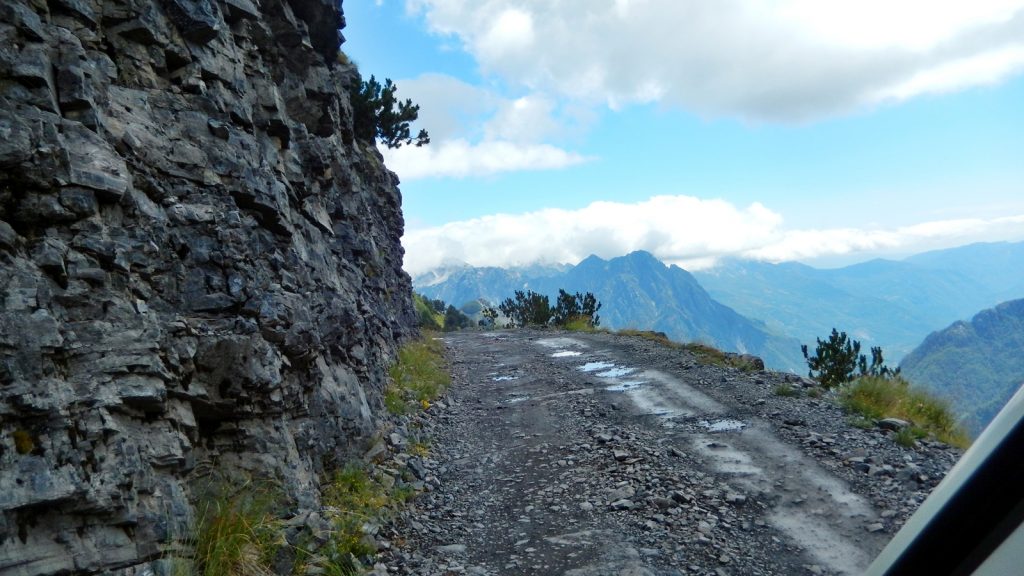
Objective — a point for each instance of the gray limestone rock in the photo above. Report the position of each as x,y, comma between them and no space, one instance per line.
200,270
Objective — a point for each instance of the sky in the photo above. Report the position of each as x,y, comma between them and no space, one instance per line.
823,131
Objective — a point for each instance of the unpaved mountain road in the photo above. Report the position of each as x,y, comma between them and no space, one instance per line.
593,454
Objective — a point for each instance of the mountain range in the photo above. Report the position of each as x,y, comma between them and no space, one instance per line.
636,291
769,309
979,364
888,303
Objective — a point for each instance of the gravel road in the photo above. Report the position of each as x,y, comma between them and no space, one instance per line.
592,454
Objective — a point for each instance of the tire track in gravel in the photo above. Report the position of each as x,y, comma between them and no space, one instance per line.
560,455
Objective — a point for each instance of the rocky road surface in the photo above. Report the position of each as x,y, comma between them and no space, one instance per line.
593,454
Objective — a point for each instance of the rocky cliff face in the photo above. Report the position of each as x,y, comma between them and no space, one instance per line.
200,267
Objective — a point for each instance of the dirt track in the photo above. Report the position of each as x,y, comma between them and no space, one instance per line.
596,454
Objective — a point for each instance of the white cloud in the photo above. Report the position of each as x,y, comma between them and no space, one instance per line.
689,231
475,131
765,60
527,119
459,158
449,107
511,32
977,70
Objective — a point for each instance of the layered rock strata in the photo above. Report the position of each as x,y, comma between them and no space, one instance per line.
200,268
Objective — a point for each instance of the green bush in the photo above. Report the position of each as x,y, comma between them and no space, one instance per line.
580,324
490,317
454,319
836,360
427,313
908,436
573,311
526,308
238,532
353,499
420,375
576,309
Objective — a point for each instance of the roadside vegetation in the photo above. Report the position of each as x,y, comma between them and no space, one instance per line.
838,360
353,501
879,397
419,376
436,315
430,317
872,391
241,529
572,311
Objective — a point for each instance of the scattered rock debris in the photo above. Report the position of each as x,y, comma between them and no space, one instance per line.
579,479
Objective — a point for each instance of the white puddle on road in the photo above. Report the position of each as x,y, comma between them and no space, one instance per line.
595,366
722,425
615,372
671,399
566,354
562,343
725,458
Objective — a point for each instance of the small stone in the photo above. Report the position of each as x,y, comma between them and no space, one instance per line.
662,502
622,504
218,129
8,237
452,549
736,499
894,424
876,527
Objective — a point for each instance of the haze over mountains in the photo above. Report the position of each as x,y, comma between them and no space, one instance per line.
769,309
893,304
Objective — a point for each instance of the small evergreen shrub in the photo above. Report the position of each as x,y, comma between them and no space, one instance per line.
836,361
377,114
454,319
526,308
576,310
